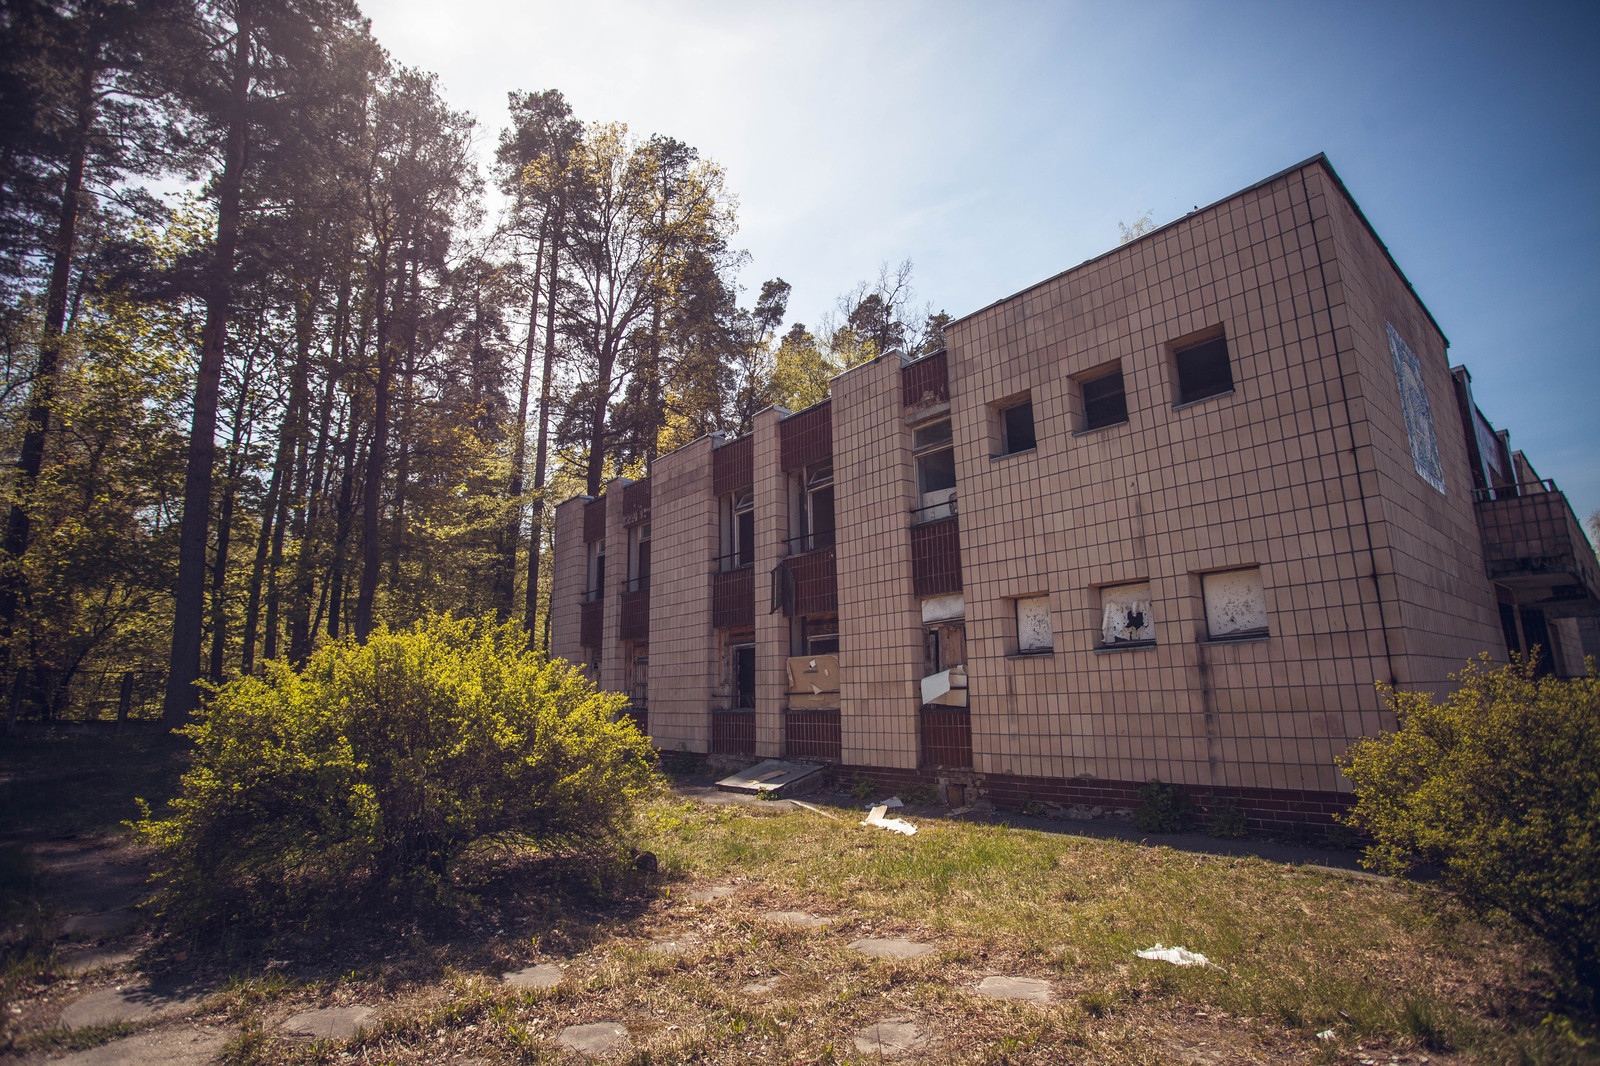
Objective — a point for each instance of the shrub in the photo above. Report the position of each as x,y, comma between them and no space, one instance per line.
1163,808
379,764
1224,819
1499,786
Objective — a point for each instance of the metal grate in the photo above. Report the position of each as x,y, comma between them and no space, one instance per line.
811,735
925,382
936,558
733,466
946,737
594,520
733,598
815,584
634,615
807,436
733,733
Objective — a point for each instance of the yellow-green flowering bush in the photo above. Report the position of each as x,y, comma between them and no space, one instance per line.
1499,786
375,767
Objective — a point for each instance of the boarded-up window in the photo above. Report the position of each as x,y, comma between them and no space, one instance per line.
1033,624
1125,616
1236,604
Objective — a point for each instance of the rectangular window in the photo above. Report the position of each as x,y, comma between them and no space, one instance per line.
1104,402
817,508
738,530
1125,616
936,470
639,557
597,572
1033,625
1016,428
744,675
1236,603
820,634
1203,370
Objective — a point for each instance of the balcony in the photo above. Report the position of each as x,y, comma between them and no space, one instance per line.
733,598
807,584
634,612
589,623
936,557
1534,547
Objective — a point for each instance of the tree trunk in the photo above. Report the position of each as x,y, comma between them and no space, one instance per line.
219,569
377,455
252,607
507,578
30,459
530,611
189,595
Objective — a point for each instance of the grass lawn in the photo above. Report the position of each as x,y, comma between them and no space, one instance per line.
1391,972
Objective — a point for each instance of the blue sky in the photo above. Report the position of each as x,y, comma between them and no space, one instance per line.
997,144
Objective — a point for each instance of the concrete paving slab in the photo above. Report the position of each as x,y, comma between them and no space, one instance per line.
139,1001
798,919
188,1046
708,895
892,1038
676,945
544,976
597,1041
774,777
85,960
1025,989
332,1023
893,949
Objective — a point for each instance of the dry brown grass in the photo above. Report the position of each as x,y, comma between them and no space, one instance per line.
1395,971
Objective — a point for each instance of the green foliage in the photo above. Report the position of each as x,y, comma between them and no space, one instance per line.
1163,809
380,764
1224,819
864,787
1499,786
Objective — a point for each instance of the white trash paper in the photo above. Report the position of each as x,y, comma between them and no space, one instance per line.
897,825
1178,956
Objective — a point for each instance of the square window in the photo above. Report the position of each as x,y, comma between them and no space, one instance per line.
1125,616
1104,402
1033,625
1016,428
1236,603
1203,370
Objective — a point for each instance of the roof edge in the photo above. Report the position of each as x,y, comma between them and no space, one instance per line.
1320,159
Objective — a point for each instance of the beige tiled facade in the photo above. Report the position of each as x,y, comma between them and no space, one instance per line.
1299,481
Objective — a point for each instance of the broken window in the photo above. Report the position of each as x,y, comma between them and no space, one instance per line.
1016,427
1236,603
1125,616
816,508
819,635
597,572
639,557
934,450
1104,401
1203,370
1033,625
738,530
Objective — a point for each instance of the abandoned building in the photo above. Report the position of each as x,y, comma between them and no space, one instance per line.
1170,514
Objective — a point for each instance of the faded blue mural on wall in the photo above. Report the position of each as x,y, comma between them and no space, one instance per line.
1419,416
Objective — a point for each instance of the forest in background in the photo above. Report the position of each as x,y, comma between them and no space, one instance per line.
279,364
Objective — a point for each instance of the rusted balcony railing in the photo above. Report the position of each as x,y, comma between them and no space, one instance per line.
634,618
936,557
733,598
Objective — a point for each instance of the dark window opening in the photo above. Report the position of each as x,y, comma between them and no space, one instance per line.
1104,401
744,676
1203,370
1017,428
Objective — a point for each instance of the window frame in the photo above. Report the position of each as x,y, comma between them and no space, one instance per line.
1262,632
1093,378
934,504
1016,615
1188,346
1003,414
